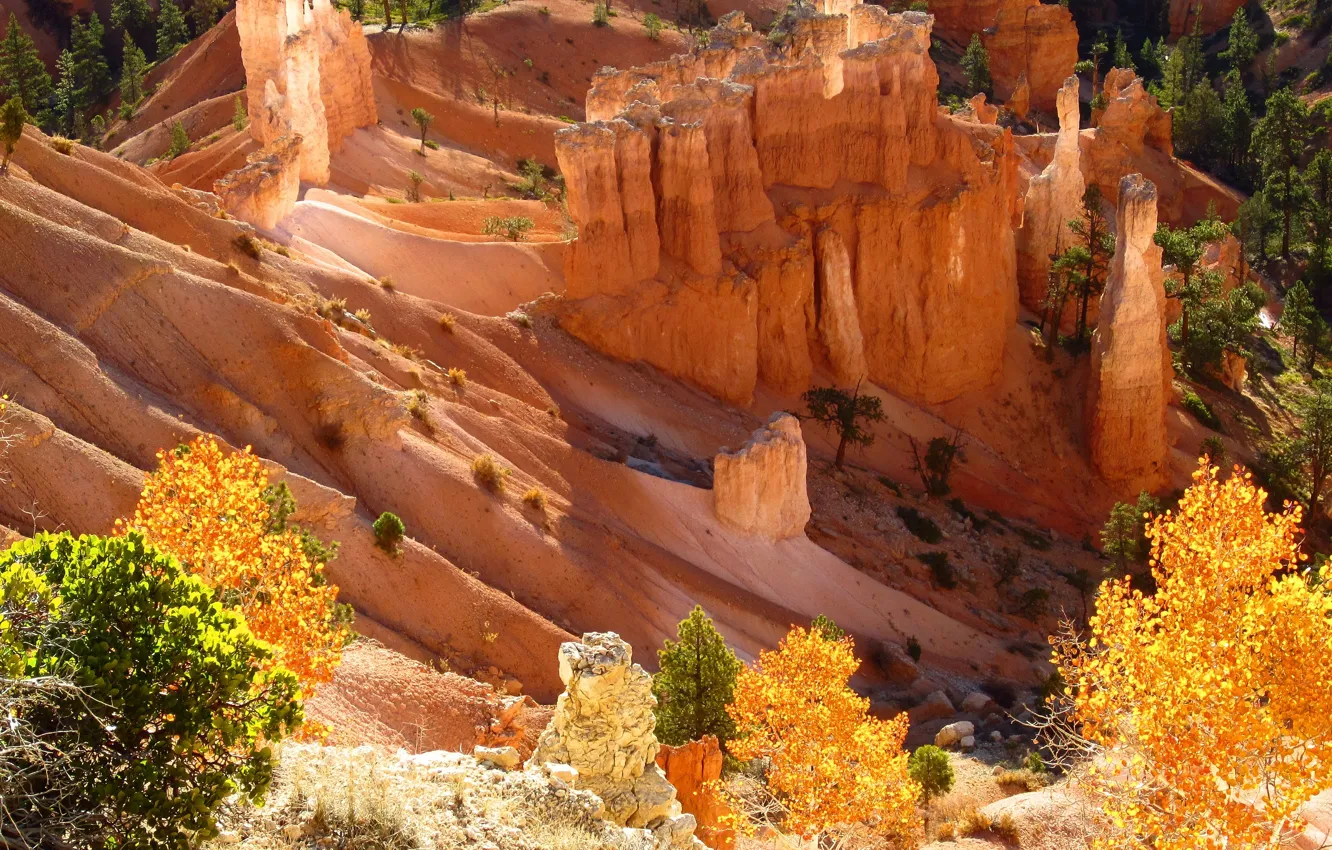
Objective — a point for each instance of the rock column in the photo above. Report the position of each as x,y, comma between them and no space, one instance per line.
761,488
1130,364
1053,198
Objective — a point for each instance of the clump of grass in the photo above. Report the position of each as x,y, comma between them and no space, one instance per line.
976,822
418,404
921,526
62,145
363,316
535,499
389,532
519,318
386,282
457,377
1022,778
248,245
489,472
447,321
404,350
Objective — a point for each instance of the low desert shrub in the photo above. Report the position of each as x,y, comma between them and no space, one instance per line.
62,145
489,472
180,141
512,227
1033,602
1022,778
447,321
519,318
652,23
389,531
457,377
600,15
418,404
913,648
1199,409
535,499
921,526
386,282
940,569
248,245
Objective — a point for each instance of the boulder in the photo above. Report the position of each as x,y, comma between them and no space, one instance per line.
978,702
935,706
895,663
1130,363
603,728
689,768
761,488
955,733
505,758
1234,370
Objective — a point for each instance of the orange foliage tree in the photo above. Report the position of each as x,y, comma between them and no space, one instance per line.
212,510
1207,707
831,765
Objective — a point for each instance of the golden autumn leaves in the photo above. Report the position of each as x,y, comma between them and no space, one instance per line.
206,507
830,763
1211,701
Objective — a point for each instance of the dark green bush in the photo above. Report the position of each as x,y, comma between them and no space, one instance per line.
389,531
153,707
939,568
930,767
1032,603
1191,402
921,526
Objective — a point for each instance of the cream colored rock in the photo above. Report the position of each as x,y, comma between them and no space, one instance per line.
761,489
954,734
1020,100
1130,364
267,187
603,728
505,758
1234,370
307,75
839,321
1054,197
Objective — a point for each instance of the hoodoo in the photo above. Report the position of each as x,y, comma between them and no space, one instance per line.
746,213
1130,363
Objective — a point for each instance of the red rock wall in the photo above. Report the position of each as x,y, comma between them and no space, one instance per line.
689,768
836,143
1215,16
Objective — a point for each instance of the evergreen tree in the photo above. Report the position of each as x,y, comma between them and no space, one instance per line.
1237,119
976,64
204,14
848,414
695,683
1122,58
65,99
131,17
1152,59
1279,144
1098,49
92,77
1318,188
171,29
1085,264
1182,72
180,140
1182,248
1315,442
1199,125
1242,44
1123,539
22,73
131,75
1296,314
1254,225
12,119
240,119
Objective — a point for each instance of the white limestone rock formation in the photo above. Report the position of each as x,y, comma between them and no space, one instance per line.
761,488
603,728
1053,198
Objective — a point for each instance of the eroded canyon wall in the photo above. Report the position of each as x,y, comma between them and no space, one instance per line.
749,215
307,75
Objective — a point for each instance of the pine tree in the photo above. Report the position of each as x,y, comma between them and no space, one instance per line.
203,14
1296,314
1279,143
1318,183
12,119
1086,263
1122,58
1237,118
171,29
1316,443
131,16
131,75
92,77
180,140
1182,72
1199,124
22,73
65,94
695,683
976,63
1242,44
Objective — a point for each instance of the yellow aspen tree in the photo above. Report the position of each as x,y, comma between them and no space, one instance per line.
831,765
207,507
1208,706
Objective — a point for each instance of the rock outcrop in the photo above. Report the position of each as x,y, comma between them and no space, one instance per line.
1130,363
746,213
761,488
1208,16
603,729
307,75
1024,39
1054,197
689,768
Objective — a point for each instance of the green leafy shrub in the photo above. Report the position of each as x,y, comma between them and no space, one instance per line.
389,531
600,15
514,227
930,767
1034,762
940,569
921,526
161,711
652,23
1194,404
